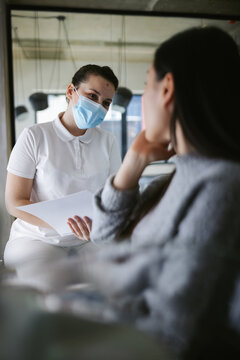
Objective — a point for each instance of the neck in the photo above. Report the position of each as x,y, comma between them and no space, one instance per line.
182,146
68,122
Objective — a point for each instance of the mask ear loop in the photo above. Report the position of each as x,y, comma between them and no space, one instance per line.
75,89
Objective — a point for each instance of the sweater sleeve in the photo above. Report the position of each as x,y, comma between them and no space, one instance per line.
115,210
111,209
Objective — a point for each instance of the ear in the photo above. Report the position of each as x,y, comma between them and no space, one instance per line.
167,90
70,91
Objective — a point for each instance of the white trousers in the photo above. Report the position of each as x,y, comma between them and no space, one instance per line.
30,258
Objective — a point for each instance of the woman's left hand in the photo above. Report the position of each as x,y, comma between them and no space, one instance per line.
80,227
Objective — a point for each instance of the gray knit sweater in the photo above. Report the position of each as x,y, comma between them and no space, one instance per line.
165,276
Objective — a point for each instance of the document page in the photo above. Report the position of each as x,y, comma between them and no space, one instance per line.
56,212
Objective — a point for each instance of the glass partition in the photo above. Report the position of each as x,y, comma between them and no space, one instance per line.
48,47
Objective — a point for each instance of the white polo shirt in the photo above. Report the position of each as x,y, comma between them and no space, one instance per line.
60,164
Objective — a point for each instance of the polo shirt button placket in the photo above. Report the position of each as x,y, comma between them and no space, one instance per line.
77,146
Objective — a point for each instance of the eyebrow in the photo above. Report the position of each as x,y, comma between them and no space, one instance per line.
97,92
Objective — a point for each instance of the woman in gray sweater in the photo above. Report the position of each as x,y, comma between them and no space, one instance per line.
173,258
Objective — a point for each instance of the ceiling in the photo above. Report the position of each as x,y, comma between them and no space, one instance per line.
101,36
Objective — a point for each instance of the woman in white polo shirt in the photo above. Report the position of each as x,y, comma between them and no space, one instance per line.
58,158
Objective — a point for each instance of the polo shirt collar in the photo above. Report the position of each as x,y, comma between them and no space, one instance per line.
65,135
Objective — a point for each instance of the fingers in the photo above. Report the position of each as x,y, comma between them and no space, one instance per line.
80,228
83,227
75,231
88,222
75,228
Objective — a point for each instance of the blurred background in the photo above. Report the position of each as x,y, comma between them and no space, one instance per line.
49,47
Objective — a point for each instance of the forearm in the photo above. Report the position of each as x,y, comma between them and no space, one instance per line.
31,219
18,193
130,171
115,204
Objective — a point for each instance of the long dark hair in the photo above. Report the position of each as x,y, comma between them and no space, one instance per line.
206,68
205,64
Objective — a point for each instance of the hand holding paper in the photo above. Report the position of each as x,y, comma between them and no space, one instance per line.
56,212
80,227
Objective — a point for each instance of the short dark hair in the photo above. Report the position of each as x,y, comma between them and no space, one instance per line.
85,71
205,64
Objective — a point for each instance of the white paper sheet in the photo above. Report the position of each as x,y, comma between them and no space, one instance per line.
56,212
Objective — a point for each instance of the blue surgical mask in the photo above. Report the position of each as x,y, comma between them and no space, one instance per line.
87,113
